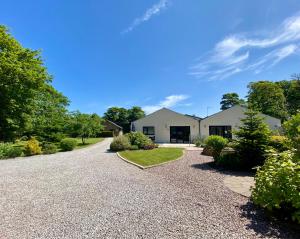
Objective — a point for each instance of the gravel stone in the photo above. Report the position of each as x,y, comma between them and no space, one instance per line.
91,193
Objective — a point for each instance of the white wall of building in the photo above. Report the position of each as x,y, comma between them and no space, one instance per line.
233,118
162,119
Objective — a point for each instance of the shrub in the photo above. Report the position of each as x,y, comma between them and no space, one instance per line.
105,134
198,141
120,143
230,161
55,137
279,143
49,148
139,139
216,144
277,185
3,150
9,151
32,147
68,144
134,147
14,151
292,130
24,138
253,139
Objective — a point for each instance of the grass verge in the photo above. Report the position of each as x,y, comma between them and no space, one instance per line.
152,157
88,142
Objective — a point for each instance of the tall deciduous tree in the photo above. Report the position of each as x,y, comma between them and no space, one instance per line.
291,90
84,125
22,74
268,98
49,114
229,100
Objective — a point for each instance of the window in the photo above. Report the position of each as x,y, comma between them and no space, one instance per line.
148,130
224,131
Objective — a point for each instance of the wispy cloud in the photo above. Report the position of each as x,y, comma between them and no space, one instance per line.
152,11
238,52
168,102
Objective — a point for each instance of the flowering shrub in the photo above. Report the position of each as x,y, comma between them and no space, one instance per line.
32,147
277,185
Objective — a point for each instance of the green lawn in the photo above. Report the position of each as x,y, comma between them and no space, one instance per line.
152,157
88,142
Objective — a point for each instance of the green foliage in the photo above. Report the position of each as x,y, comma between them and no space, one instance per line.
49,148
22,75
279,143
216,144
229,100
198,141
120,143
32,147
253,138
8,150
49,115
292,130
124,117
267,97
84,125
68,144
291,91
134,147
230,161
139,139
277,185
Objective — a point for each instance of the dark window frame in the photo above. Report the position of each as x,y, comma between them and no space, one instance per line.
146,128
221,130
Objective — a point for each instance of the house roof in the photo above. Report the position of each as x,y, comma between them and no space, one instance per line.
189,116
118,126
194,117
235,106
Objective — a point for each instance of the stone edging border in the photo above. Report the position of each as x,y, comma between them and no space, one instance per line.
151,166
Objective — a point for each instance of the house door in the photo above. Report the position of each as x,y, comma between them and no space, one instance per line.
180,134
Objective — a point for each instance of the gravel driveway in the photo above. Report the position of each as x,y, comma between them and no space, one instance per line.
90,193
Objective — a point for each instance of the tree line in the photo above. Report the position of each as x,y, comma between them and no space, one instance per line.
279,99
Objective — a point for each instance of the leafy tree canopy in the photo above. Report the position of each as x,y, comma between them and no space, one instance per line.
268,98
124,117
22,74
229,100
84,125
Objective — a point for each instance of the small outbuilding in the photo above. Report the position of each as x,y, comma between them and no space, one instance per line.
112,127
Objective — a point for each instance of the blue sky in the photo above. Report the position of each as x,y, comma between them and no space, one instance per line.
158,53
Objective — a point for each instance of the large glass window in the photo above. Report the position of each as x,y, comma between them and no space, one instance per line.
148,130
223,130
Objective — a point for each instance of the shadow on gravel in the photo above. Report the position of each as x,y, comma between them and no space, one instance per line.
210,166
265,226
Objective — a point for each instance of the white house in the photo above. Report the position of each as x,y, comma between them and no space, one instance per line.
167,126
